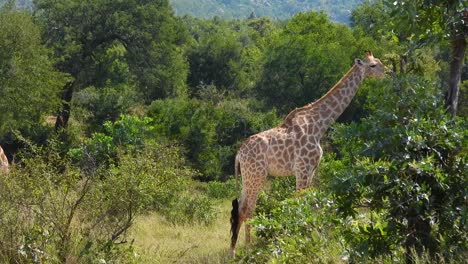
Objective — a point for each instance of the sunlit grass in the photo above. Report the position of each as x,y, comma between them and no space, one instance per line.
161,242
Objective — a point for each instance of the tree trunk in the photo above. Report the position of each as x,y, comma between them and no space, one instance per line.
403,62
64,114
419,239
456,64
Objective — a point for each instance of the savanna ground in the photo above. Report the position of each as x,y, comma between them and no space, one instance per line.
160,241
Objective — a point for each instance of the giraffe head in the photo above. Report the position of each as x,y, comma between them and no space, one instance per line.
373,67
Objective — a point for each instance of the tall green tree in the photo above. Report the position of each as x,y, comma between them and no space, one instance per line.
80,30
306,59
226,54
29,84
432,21
214,55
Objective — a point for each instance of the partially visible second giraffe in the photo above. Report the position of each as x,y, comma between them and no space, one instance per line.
293,148
4,166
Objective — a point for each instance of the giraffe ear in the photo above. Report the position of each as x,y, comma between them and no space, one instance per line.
358,62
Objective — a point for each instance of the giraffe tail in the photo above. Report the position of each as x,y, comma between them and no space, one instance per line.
236,172
234,223
235,209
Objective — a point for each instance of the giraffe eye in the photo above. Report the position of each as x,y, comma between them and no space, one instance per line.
373,65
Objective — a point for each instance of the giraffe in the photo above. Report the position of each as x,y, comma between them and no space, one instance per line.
293,147
4,167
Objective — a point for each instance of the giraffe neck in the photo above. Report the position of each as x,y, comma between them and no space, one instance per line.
330,106
334,102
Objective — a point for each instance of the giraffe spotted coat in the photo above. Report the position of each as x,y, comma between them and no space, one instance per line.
293,148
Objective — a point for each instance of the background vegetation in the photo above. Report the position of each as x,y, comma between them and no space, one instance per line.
339,11
121,120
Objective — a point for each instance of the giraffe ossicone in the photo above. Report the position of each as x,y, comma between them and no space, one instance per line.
293,147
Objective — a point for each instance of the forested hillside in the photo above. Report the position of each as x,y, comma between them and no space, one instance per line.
337,10
121,120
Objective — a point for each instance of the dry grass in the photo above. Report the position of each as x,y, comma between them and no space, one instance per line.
161,242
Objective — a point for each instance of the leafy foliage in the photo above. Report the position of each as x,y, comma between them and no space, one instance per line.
306,59
226,54
337,10
209,131
129,133
95,41
50,206
295,228
29,85
222,190
408,170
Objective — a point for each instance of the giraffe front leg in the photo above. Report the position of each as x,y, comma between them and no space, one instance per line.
302,181
305,166
304,176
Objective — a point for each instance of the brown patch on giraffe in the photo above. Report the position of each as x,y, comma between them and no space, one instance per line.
338,97
297,129
333,104
275,148
309,147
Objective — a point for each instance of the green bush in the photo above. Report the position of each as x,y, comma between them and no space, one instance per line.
406,166
129,133
300,229
188,209
96,105
210,131
222,190
55,213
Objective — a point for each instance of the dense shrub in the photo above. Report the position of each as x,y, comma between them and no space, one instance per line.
94,106
222,190
298,229
129,134
210,130
406,163
29,83
55,212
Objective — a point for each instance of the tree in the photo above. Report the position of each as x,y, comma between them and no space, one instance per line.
213,59
226,54
306,59
428,20
29,85
78,31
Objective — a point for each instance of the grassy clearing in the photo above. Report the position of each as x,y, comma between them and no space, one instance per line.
161,242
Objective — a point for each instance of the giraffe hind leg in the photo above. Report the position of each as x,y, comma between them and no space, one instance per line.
250,202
